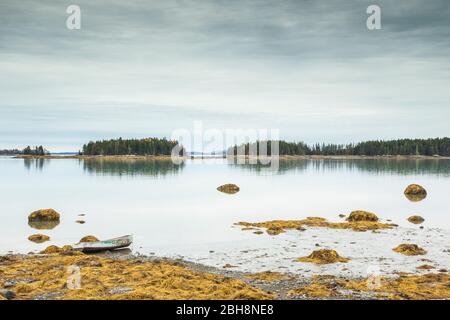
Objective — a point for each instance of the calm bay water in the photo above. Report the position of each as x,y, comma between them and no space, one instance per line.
174,209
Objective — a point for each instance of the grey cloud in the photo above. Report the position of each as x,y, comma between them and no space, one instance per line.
287,63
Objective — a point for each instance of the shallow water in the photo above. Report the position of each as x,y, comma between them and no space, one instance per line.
177,211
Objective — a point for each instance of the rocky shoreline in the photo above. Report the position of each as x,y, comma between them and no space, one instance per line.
124,275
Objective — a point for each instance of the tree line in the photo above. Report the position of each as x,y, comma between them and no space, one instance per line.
36,151
147,146
424,147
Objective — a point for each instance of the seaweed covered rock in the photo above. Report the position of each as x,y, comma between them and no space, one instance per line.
273,231
410,249
89,239
44,215
360,215
323,256
228,188
415,192
275,227
55,249
416,219
38,238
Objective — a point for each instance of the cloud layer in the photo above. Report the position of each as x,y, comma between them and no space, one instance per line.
146,68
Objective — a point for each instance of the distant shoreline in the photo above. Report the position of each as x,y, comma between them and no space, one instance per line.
282,157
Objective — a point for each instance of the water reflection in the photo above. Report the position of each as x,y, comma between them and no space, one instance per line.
131,167
36,164
440,167
43,225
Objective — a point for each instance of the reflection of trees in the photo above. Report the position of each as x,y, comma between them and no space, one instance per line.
43,225
131,167
37,164
375,166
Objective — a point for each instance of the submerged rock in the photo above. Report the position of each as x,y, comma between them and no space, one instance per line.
415,192
38,238
323,256
410,249
44,215
360,215
416,219
228,188
89,239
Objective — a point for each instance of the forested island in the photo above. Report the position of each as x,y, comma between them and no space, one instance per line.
36,151
142,147
400,147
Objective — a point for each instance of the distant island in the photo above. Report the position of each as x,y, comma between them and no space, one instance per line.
143,147
37,151
156,148
400,147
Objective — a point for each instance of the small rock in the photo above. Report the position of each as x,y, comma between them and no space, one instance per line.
38,238
89,239
7,294
410,249
416,219
120,290
228,188
360,215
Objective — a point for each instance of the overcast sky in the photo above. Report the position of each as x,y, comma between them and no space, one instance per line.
145,68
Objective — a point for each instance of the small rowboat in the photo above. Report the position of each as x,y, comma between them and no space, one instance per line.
111,244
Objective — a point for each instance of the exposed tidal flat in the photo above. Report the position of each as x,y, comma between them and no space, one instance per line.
186,230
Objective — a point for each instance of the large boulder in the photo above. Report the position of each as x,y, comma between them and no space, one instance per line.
415,192
44,215
360,215
228,188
